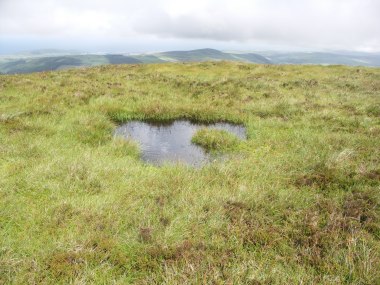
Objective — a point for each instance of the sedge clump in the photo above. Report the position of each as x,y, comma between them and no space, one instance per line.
215,140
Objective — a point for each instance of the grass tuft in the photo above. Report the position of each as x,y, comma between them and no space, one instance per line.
215,140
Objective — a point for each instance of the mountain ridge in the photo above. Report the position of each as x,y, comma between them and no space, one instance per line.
44,62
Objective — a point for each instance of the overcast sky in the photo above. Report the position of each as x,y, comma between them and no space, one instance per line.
148,25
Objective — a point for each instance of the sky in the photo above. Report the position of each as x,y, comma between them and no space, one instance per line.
156,25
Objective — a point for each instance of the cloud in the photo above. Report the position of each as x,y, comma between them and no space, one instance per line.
329,24
319,23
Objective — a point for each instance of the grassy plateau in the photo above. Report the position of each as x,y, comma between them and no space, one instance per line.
298,202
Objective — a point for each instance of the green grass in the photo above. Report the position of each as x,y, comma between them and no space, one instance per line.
297,204
215,140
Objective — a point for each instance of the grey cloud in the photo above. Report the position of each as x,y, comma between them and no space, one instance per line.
338,24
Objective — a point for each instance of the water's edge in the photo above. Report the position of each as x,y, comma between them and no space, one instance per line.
170,142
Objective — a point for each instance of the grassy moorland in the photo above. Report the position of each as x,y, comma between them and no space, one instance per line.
296,203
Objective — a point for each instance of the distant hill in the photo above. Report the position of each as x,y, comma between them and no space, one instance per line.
41,61
37,64
195,55
148,58
364,59
252,57
210,55
120,59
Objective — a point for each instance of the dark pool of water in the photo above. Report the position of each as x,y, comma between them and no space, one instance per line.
171,143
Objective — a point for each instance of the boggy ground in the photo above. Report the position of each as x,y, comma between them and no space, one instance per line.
297,203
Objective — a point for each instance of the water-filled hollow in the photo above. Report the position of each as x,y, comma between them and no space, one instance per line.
162,143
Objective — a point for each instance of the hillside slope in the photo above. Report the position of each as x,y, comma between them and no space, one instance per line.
38,64
296,203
